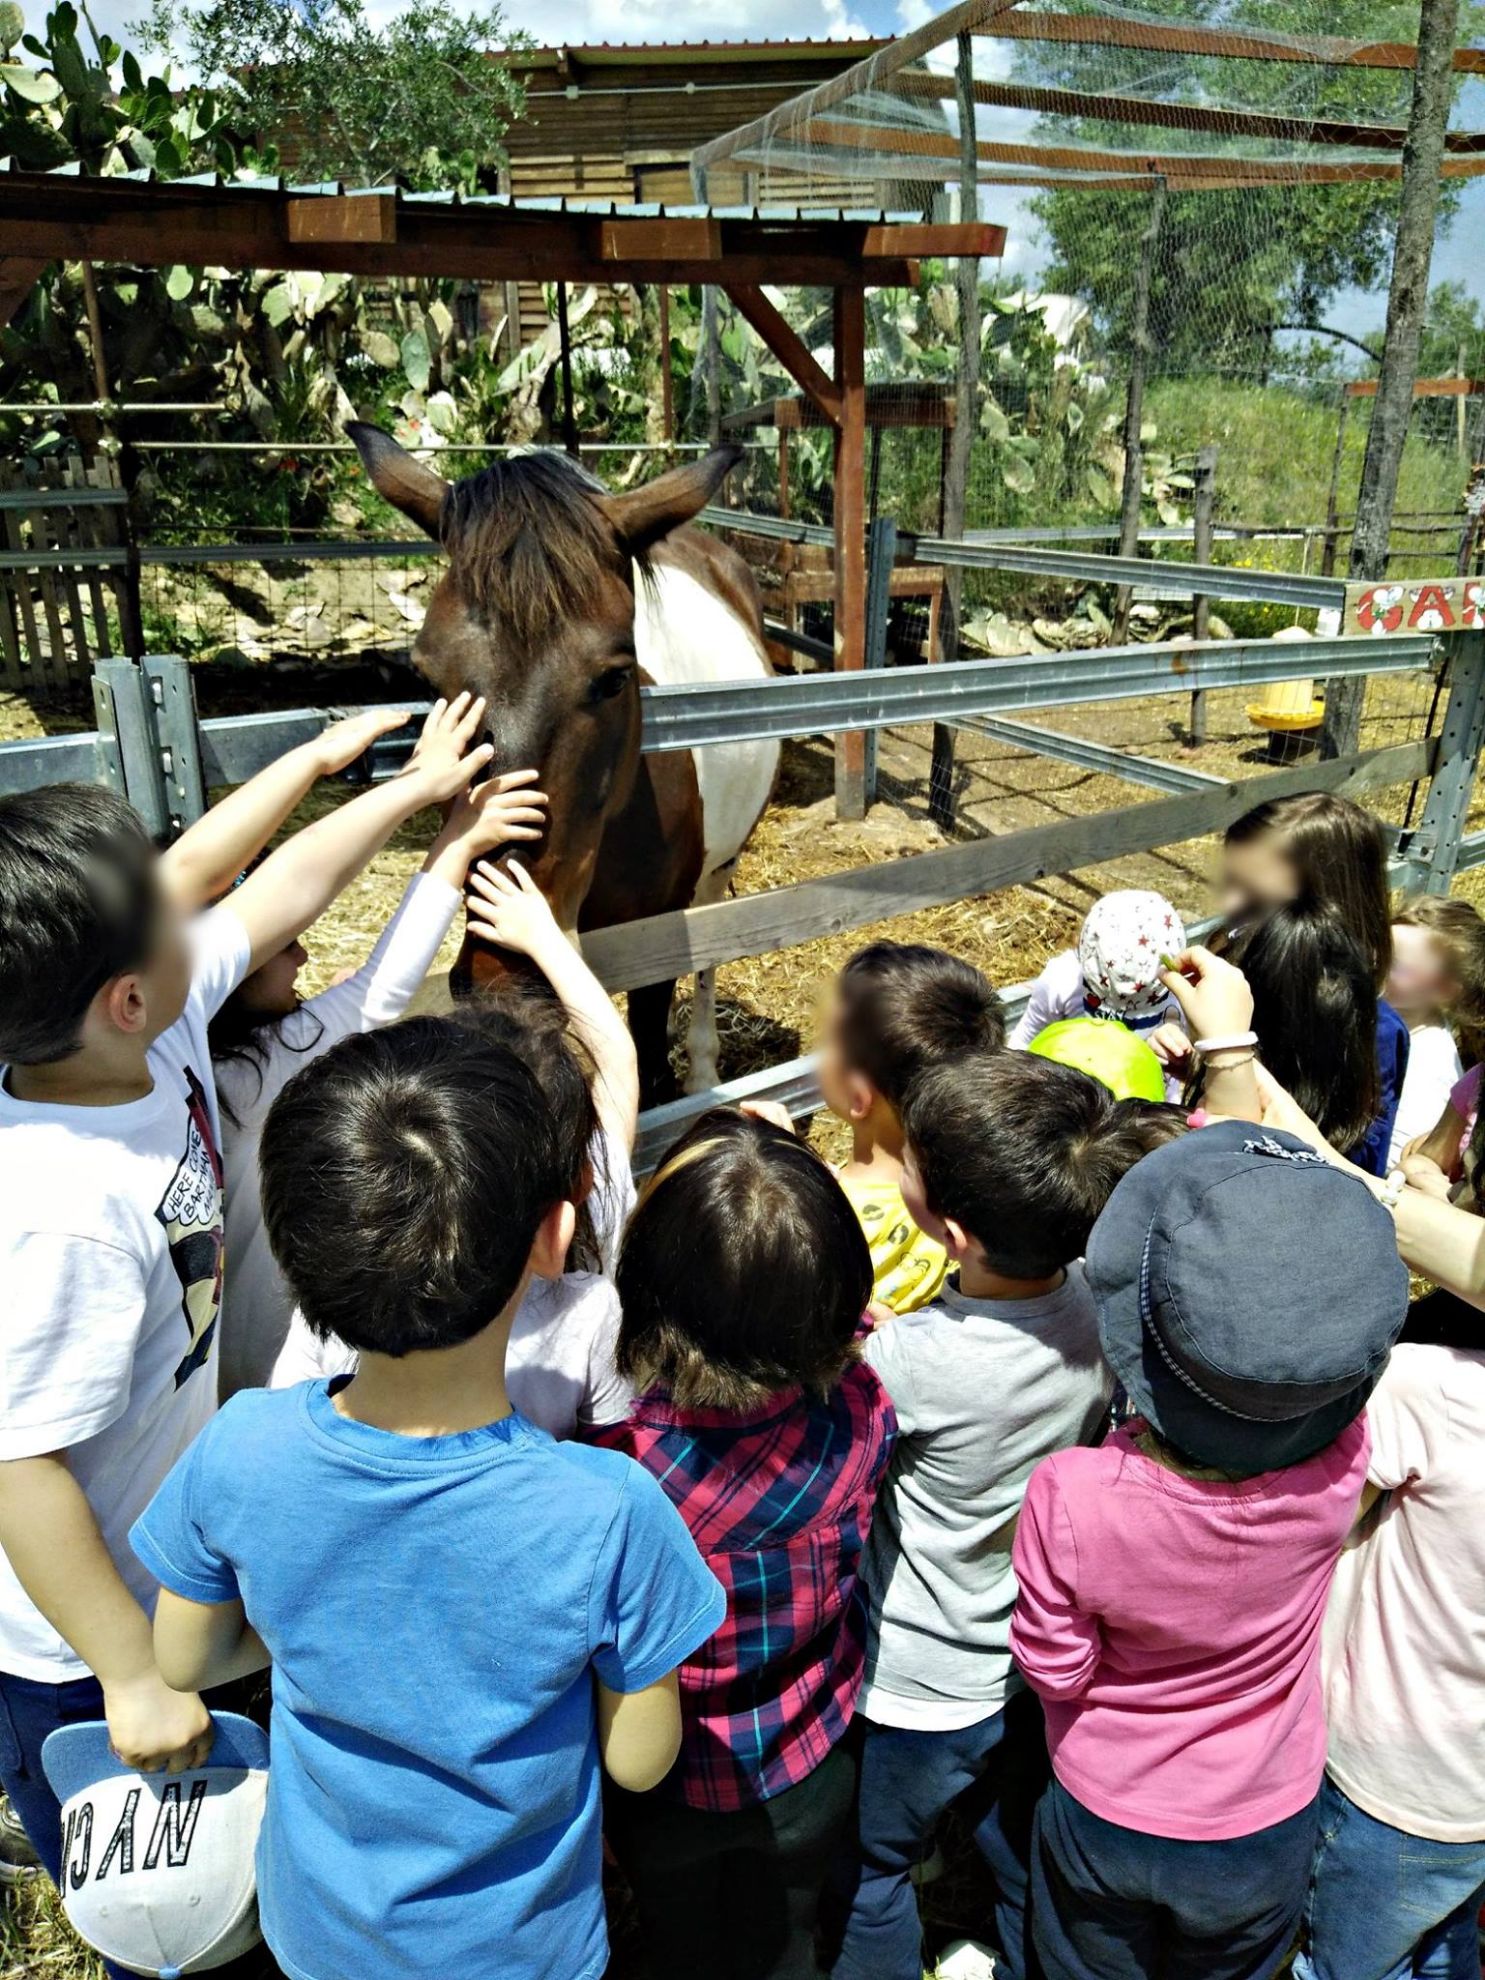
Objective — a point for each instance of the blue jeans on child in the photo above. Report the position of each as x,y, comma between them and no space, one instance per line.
996,1771
1109,1903
29,1710
1385,1905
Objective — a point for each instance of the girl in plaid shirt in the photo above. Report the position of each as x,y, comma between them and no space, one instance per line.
743,1279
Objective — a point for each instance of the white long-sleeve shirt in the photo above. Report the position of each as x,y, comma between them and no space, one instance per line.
559,1364
1057,994
257,1305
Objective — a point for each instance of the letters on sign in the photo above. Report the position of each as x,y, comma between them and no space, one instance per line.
1428,605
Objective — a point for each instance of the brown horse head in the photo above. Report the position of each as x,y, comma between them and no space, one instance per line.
536,613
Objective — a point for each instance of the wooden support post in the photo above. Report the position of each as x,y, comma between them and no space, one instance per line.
1201,550
1434,848
959,440
850,534
569,410
1134,406
1407,302
1333,500
667,388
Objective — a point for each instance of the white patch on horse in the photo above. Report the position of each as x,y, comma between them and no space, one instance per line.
685,635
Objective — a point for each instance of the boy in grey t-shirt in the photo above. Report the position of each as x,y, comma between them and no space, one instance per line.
1009,1161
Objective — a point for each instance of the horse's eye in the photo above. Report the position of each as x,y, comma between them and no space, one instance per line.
612,681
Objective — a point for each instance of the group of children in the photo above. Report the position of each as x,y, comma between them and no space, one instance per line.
1050,1460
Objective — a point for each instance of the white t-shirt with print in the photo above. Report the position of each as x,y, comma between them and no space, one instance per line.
260,1305
559,1364
111,1258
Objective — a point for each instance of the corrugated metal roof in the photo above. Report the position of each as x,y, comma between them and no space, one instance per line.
601,209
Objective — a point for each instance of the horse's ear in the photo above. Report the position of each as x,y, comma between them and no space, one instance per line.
398,478
644,515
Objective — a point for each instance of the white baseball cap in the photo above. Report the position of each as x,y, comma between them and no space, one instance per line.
157,1869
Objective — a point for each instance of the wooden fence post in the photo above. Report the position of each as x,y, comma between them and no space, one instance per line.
1201,551
1433,850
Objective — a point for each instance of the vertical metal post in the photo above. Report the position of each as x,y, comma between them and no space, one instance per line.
569,410
1433,850
667,388
147,715
178,737
139,750
881,556
1202,508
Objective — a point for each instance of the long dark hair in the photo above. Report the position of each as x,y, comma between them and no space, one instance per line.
1340,858
744,1270
1315,1012
238,1035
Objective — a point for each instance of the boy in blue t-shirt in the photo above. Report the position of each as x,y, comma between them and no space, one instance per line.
463,1615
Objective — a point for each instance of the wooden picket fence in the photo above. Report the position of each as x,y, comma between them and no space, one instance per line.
58,615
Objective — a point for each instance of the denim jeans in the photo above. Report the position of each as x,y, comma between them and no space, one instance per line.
996,1771
1385,1905
1109,1903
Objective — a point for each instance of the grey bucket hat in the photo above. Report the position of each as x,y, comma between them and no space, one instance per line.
1248,1295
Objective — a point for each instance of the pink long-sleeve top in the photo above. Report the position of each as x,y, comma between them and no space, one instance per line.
1172,1628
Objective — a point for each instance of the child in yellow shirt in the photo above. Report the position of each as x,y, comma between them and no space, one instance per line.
897,1009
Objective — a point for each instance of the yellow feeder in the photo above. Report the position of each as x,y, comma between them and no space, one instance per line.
1288,708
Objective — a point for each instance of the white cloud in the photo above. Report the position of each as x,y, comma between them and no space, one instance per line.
579,21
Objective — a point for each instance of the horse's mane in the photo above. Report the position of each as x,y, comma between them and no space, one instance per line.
528,543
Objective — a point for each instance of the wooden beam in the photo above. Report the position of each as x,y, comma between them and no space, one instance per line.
788,347
981,240
1423,388
1208,169
348,217
849,508
664,240
1196,117
116,220
1171,38
669,945
18,277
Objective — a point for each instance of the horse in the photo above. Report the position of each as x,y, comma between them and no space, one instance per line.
559,601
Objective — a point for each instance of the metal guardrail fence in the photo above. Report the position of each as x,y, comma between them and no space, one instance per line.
150,745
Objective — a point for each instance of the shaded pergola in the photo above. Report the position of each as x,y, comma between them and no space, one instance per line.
266,223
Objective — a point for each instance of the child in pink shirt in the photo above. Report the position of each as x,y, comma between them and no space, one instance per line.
1173,1582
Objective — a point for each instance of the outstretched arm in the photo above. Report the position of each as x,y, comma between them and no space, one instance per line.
507,907
209,855
296,885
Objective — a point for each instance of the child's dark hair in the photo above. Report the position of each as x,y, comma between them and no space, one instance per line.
1023,1154
1315,1012
525,1016
1459,931
404,1177
79,905
743,1272
904,1008
1339,857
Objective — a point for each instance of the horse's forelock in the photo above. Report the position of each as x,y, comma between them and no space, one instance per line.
528,543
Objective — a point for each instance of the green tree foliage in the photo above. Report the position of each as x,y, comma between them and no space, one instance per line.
415,99
1232,266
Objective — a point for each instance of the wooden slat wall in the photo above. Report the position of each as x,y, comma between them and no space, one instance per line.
55,623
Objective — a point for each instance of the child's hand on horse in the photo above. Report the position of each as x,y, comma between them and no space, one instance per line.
484,817
507,907
443,762
353,735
